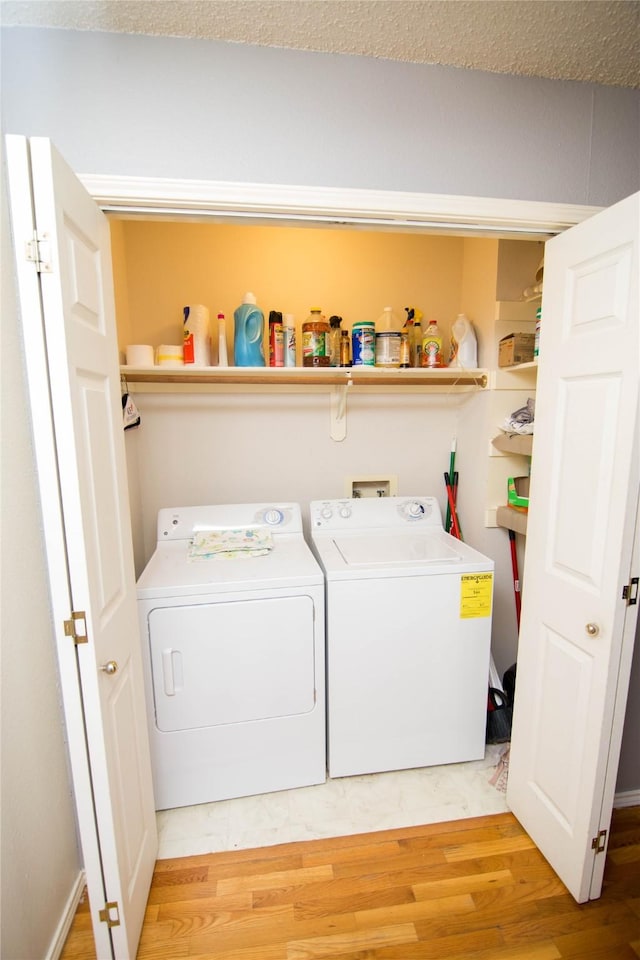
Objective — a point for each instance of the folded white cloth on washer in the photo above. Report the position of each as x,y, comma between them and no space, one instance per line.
231,543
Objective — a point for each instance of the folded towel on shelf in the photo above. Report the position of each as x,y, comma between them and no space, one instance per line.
231,544
521,421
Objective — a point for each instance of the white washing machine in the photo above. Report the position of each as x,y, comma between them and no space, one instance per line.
408,612
231,611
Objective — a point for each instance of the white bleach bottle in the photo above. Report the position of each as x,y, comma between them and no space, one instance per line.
464,346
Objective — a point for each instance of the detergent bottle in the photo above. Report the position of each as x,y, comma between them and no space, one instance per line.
248,349
464,346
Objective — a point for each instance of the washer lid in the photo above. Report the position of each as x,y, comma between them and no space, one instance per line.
387,553
389,549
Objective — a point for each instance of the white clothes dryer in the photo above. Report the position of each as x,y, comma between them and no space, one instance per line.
408,635
233,650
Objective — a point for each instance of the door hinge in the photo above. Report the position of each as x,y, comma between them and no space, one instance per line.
106,914
38,251
599,843
73,627
630,592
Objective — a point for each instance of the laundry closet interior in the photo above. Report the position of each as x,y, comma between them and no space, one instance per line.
205,442
238,442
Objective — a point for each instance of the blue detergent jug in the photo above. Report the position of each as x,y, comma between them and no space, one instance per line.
248,349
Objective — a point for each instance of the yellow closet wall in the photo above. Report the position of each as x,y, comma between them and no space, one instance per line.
159,267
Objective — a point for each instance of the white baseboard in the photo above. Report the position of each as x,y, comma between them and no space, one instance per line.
69,912
628,798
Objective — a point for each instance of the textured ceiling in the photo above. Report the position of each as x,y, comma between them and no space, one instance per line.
588,40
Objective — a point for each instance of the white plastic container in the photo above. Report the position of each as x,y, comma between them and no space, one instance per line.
197,339
464,346
170,355
139,355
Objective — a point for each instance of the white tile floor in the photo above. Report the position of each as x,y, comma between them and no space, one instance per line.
349,805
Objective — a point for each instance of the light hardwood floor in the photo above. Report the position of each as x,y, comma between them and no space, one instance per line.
474,889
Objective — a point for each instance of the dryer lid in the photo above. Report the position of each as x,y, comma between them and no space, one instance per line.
170,573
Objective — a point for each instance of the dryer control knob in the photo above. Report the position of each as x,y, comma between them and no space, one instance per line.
326,513
345,512
273,517
413,509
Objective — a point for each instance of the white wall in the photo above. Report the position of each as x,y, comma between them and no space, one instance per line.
251,447
195,109
39,853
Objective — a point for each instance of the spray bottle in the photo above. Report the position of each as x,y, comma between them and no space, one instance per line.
223,360
416,344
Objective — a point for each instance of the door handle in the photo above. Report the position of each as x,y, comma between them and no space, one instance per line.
592,629
172,671
109,667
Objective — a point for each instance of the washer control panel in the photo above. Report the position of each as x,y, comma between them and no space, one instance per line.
367,513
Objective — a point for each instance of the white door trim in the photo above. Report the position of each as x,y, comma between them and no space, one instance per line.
210,198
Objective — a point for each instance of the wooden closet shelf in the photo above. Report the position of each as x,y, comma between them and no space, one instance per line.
322,376
514,443
512,519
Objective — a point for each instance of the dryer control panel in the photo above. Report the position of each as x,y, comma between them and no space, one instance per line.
370,513
180,523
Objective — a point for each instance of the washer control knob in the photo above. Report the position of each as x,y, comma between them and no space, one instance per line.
273,517
326,513
345,512
414,509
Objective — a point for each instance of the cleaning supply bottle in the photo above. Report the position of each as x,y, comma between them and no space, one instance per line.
334,341
464,347
416,345
405,349
432,346
289,340
408,329
223,360
315,340
345,349
387,339
248,349
276,339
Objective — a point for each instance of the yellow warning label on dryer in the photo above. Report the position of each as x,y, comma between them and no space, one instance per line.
475,595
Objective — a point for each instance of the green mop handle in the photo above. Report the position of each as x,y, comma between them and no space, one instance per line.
452,462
